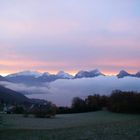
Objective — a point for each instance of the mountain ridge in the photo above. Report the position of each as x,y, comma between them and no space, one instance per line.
87,74
124,73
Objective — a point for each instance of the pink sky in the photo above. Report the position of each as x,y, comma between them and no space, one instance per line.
69,35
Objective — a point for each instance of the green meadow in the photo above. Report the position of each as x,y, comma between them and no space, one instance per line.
100,125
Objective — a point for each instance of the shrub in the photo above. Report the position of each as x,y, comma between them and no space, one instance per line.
44,111
18,110
64,110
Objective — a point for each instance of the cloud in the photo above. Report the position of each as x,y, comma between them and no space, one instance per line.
61,92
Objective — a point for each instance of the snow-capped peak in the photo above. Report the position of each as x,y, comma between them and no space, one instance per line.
63,74
46,74
123,73
26,73
96,71
91,73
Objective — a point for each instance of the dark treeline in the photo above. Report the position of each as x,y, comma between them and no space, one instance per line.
91,103
118,101
124,102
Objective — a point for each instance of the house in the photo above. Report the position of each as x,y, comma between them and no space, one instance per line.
8,109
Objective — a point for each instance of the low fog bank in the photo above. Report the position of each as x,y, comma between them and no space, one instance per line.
61,92
22,88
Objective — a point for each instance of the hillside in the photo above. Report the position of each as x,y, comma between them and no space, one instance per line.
10,96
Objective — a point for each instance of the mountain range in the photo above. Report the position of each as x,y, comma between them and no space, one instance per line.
37,78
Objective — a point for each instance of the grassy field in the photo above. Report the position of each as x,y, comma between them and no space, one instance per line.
101,125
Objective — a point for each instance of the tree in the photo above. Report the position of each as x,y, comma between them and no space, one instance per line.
78,105
93,102
124,102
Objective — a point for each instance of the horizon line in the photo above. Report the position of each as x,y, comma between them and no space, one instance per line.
106,73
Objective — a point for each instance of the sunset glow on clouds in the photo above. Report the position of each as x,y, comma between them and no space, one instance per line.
52,35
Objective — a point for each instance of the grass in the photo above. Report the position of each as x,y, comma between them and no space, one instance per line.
1,120
101,125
